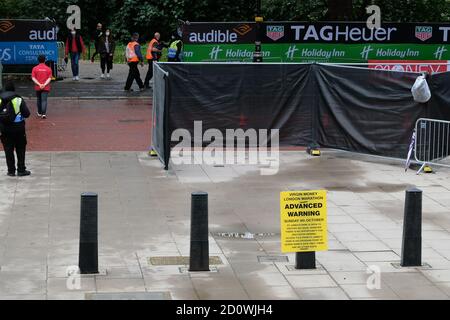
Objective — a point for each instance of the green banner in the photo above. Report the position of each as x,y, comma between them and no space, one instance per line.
334,53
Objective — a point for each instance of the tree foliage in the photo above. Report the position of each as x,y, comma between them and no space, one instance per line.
147,17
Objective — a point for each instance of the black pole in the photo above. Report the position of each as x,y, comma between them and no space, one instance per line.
199,255
257,55
88,255
412,229
305,260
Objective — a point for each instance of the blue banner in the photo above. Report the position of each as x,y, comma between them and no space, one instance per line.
27,52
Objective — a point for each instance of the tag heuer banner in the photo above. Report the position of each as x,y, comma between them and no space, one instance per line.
22,41
351,42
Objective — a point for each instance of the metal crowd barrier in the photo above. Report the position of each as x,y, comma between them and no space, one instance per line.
62,65
432,143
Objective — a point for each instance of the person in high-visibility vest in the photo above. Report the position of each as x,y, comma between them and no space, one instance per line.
154,52
12,132
134,58
175,49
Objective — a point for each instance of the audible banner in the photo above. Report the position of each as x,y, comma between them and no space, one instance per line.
22,41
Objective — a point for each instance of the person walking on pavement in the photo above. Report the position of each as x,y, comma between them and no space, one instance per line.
96,37
154,52
134,57
13,112
175,52
75,47
41,76
106,48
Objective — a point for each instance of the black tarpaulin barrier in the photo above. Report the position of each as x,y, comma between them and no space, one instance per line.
242,96
440,98
366,111
348,108
160,141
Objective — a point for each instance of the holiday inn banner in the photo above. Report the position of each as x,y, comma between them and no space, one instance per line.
317,42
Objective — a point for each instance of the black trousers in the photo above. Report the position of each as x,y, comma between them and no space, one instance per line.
149,75
133,74
106,62
15,141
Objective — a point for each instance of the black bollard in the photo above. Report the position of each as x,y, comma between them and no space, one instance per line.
199,253
412,229
88,255
305,260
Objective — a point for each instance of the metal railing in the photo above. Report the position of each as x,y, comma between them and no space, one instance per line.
432,143
62,65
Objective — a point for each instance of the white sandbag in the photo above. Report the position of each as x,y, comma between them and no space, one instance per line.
421,91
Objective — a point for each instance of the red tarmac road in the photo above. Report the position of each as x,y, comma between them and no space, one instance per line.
91,125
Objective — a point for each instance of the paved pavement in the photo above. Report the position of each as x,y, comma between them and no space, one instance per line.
144,214
90,85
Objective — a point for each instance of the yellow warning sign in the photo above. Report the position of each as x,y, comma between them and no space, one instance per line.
304,221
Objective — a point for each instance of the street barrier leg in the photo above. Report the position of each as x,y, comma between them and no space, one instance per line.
88,254
305,260
199,252
412,229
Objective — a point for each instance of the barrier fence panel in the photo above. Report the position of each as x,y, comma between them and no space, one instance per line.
62,65
432,142
348,108
160,114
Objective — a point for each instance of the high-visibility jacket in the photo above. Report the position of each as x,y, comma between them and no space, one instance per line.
151,45
16,102
173,49
131,53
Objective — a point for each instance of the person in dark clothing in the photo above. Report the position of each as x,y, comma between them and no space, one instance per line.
96,37
106,48
134,57
13,134
175,52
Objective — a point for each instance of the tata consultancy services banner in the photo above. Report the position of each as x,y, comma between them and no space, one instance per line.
22,41
317,42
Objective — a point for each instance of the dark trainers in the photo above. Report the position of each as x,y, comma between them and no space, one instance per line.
23,173
11,174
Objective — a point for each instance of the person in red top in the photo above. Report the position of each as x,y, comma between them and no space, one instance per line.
42,76
75,46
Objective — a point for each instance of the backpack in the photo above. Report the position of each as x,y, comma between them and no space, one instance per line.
7,113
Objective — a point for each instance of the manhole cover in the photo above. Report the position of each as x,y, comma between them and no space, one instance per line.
129,296
263,259
179,261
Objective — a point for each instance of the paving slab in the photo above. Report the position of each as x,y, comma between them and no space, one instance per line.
145,212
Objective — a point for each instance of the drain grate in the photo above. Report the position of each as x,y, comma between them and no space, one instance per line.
179,261
128,296
212,269
267,259
246,235
425,266
132,121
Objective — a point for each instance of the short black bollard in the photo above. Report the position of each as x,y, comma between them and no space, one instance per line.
412,229
305,260
88,255
199,253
